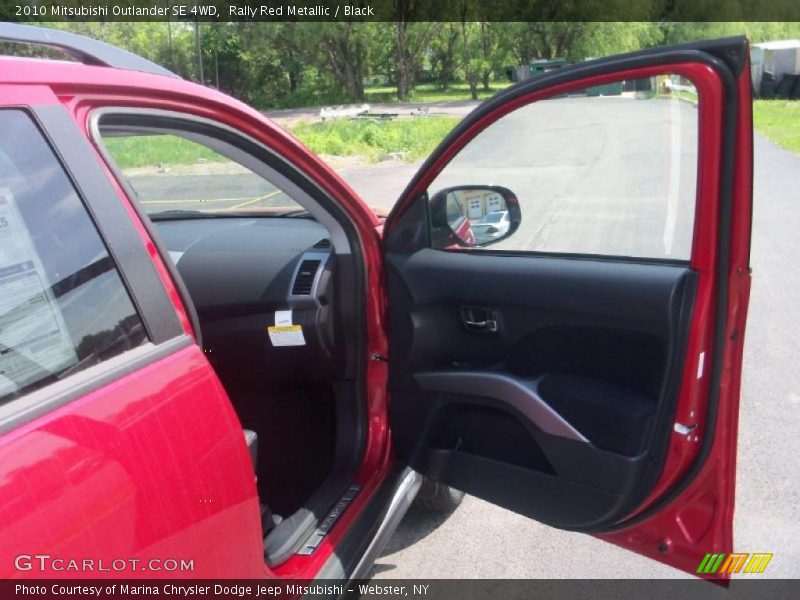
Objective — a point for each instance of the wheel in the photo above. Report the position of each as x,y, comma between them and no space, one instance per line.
438,497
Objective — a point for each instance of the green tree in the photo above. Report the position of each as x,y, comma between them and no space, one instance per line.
443,47
411,42
168,44
604,39
530,41
757,31
344,48
291,38
494,49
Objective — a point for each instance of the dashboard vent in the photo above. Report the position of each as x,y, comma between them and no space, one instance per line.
323,244
305,278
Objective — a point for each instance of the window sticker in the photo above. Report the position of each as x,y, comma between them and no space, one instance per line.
34,340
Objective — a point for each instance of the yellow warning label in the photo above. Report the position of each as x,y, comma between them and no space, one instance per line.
286,335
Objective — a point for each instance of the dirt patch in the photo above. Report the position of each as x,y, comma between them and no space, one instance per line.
199,168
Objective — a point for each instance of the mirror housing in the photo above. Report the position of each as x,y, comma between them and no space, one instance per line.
473,216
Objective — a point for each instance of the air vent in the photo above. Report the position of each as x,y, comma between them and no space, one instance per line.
323,244
305,278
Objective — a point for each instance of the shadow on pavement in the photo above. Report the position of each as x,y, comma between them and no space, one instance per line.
415,526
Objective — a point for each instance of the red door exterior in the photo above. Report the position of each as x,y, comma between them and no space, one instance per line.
143,472
689,511
186,489
151,467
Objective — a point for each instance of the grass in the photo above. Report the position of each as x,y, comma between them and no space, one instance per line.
415,138
779,120
152,150
431,92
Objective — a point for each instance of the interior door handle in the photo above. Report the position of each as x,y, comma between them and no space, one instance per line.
479,319
489,324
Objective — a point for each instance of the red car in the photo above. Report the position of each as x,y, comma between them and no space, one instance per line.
216,361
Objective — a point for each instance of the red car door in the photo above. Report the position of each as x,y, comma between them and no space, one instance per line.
185,487
120,454
583,368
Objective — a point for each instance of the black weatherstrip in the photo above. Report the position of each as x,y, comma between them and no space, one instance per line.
113,223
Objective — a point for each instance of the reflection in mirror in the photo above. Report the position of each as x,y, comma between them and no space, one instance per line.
607,170
473,215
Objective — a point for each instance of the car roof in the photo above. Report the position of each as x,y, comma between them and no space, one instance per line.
83,49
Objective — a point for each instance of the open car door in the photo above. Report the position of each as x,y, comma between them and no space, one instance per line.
568,284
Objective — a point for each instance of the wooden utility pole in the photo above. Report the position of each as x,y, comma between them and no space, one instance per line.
199,49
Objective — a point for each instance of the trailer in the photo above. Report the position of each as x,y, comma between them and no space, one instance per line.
779,58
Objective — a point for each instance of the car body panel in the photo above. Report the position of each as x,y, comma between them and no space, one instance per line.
150,466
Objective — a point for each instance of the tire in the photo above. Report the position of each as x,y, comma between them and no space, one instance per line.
437,497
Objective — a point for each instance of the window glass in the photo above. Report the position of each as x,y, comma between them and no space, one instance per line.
454,213
609,170
494,217
172,175
63,306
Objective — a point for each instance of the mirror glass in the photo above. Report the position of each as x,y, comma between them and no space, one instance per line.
473,215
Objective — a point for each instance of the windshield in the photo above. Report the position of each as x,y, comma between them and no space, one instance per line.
172,175
494,217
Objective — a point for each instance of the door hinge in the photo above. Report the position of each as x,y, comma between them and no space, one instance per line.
378,357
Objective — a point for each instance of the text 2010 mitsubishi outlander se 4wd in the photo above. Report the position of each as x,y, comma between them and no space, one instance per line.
212,349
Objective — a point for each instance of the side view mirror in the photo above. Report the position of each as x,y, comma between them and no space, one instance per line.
473,216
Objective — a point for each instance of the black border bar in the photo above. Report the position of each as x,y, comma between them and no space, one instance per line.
546,11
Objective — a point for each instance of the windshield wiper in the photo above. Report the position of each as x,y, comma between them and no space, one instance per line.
300,213
180,214
198,214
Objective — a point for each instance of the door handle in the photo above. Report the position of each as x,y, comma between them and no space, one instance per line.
479,319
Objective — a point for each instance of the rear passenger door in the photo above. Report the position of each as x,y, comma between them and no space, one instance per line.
119,451
576,356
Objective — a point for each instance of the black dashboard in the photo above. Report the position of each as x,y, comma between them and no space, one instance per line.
242,274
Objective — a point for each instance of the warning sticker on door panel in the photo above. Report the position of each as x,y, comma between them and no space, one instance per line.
284,333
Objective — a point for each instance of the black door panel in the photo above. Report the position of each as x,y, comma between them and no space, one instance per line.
564,394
